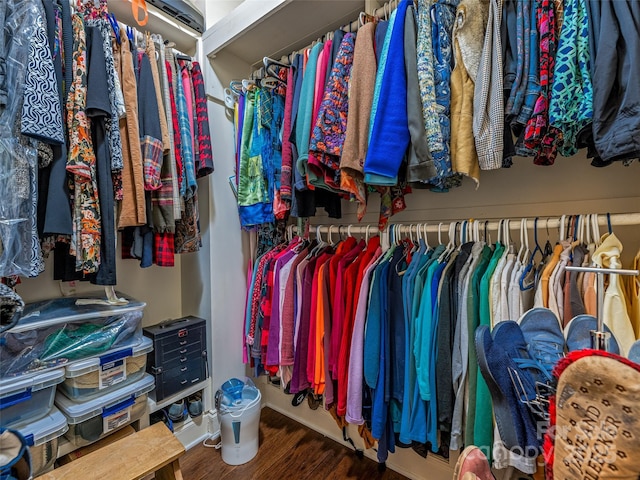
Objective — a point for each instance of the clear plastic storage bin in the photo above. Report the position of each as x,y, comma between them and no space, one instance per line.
28,398
92,420
99,375
52,333
42,437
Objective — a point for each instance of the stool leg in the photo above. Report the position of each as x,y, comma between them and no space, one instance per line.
170,472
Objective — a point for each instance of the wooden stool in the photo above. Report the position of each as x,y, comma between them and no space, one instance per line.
154,449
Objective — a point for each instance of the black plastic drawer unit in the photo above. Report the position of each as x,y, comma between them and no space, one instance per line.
179,357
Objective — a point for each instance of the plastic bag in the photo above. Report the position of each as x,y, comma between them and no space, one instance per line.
19,245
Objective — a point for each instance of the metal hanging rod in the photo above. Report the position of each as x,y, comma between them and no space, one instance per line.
599,337
433,226
600,270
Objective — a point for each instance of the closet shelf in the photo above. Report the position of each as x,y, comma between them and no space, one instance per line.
292,25
184,37
154,407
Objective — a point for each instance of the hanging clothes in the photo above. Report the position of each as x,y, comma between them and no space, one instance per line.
356,139
83,170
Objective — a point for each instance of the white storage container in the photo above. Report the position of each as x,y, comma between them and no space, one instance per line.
28,398
99,375
42,437
92,420
52,333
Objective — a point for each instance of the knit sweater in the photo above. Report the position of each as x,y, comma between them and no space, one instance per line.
361,86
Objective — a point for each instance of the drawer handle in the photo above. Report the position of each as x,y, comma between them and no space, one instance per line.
183,359
184,350
183,369
183,382
183,342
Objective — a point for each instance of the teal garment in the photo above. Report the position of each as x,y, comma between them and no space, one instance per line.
416,430
422,340
380,180
371,343
409,367
304,118
571,102
252,188
427,356
483,426
372,178
473,311
88,340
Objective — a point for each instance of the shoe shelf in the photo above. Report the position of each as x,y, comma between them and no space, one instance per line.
154,407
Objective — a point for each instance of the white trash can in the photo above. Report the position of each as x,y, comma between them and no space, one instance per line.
238,405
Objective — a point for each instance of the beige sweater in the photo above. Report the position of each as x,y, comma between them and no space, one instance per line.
361,88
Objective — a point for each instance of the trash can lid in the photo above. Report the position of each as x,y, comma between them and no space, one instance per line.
249,396
233,388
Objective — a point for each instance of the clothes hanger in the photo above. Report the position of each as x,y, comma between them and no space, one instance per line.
548,248
319,246
561,230
236,87
586,234
596,231
529,266
451,245
270,61
524,240
115,27
463,232
270,83
422,232
130,34
506,240
577,236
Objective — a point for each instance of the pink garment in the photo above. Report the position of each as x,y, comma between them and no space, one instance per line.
188,90
257,297
339,307
298,295
318,95
273,344
247,305
288,312
286,273
326,340
356,360
287,154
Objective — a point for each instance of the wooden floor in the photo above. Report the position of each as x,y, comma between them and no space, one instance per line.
288,449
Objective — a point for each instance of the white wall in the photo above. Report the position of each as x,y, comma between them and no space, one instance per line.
227,281
159,287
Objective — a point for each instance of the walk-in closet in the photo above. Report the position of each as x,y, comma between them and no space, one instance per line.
344,238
